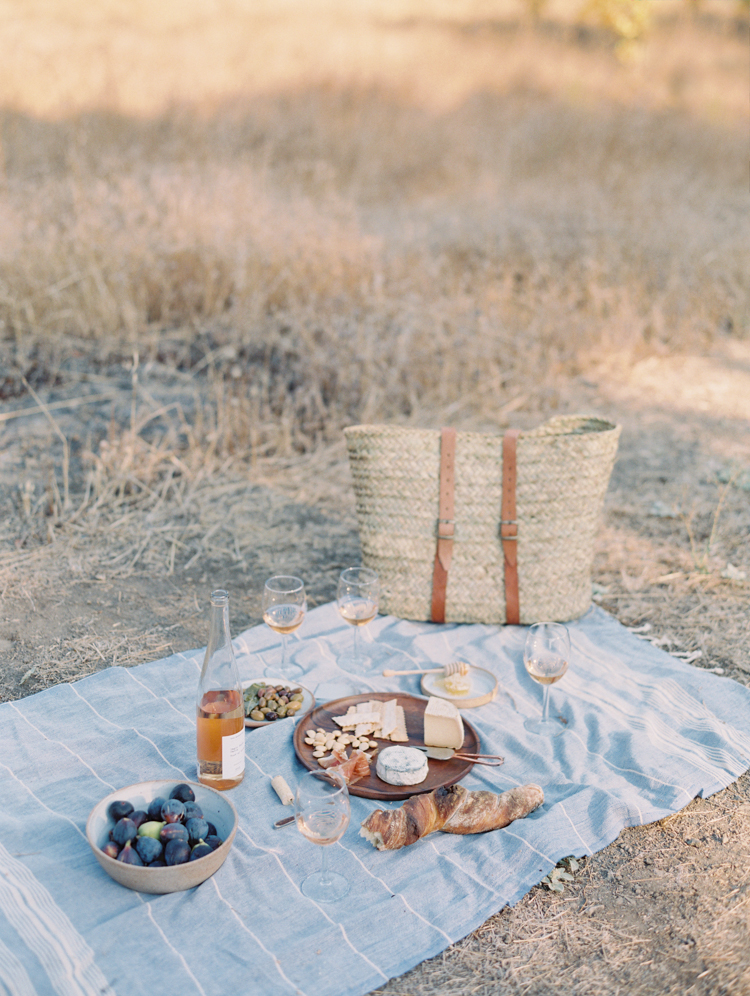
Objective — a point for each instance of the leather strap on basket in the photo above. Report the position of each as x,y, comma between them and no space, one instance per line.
509,527
446,525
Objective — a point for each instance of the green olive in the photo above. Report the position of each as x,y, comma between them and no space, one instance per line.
264,703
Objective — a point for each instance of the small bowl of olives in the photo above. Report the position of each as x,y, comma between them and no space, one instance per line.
267,700
162,836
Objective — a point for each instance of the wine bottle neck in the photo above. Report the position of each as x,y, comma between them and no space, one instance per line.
219,666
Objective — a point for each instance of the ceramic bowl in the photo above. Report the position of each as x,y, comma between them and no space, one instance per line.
216,808
483,688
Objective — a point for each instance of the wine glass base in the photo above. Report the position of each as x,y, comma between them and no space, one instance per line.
290,672
354,665
550,728
336,688
325,888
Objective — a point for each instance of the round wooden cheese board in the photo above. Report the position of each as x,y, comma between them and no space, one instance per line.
440,773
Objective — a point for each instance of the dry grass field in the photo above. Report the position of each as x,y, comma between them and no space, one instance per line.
375,211
228,228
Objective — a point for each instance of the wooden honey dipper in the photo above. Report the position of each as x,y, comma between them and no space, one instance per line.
455,667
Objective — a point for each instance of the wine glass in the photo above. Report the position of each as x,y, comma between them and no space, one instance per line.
284,607
357,599
321,807
546,657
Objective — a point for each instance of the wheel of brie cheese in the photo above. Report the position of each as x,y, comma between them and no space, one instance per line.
402,766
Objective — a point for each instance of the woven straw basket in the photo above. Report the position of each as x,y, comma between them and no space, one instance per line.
563,468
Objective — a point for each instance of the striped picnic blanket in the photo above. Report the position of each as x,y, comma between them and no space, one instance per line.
645,734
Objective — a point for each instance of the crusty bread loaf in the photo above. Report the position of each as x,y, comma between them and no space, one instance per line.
452,810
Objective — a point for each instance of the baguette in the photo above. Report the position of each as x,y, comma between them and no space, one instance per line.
452,810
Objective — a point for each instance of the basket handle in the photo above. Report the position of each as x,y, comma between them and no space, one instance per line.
445,525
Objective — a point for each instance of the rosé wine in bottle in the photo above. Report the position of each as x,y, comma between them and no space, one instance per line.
220,713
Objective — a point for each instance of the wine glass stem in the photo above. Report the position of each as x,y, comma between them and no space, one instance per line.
283,651
324,873
356,645
545,705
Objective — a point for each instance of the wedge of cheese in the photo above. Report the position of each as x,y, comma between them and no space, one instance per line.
443,726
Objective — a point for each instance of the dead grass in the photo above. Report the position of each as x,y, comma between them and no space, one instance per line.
347,216
75,657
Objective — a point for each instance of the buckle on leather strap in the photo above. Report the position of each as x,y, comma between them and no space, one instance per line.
512,529
443,532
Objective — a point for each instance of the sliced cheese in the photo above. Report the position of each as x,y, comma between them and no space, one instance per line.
443,726
402,766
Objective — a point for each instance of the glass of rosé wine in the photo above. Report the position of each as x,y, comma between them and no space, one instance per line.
284,607
321,808
357,597
546,657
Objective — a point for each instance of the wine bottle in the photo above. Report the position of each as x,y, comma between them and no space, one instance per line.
220,719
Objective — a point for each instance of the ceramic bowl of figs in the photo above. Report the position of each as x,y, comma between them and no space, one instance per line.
162,836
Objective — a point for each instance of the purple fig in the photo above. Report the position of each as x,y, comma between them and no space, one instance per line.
172,811
129,856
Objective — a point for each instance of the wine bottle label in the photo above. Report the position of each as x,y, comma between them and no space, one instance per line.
233,754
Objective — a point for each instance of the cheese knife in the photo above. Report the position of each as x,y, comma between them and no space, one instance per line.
446,753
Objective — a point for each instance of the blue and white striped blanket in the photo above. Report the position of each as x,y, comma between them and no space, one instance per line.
646,733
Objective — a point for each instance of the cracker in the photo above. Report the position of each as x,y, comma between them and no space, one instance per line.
399,733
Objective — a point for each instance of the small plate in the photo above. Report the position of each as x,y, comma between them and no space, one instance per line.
483,688
308,700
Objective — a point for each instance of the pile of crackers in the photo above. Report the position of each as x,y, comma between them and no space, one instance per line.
384,720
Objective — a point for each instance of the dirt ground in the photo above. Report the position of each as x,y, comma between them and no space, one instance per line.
666,907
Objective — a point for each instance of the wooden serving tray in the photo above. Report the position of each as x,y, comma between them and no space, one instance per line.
440,773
